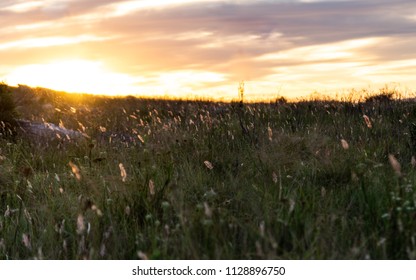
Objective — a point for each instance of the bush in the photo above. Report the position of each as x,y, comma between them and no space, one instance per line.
7,109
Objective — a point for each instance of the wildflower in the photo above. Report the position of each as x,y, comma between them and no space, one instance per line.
345,144
367,121
123,172
208,165
395,165
75,170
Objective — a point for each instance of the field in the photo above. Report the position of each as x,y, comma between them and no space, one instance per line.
157,179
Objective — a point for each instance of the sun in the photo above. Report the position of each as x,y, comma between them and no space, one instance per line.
80,76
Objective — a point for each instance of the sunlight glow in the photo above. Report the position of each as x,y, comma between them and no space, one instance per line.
81,76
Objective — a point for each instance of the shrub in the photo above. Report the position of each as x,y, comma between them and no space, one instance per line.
7,109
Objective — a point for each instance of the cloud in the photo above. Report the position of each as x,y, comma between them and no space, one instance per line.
266,42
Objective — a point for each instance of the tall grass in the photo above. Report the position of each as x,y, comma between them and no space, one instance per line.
199,180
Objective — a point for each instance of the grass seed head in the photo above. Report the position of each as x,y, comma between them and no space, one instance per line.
207,210
395,165
209,165
75,170
26,241
367,121
270,133
123,172
80,224
274,177
152,187
345,144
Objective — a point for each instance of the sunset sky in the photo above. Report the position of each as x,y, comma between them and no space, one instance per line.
205,48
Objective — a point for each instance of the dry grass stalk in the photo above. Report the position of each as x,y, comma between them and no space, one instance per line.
413,161
270,133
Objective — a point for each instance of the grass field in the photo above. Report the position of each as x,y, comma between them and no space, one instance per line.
199,180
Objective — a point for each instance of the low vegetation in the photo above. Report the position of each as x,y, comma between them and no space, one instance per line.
198,180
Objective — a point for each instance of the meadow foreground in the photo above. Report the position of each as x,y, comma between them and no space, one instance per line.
198,180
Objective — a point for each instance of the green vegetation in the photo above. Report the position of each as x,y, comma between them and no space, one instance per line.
199,180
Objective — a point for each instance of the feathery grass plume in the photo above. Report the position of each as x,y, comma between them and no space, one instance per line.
75,170
209,165
345,144
123,172
395,165
151,187
367,121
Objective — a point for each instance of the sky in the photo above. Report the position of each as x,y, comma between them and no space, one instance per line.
204,49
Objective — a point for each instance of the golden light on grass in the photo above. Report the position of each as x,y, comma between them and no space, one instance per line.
75,170
395,165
